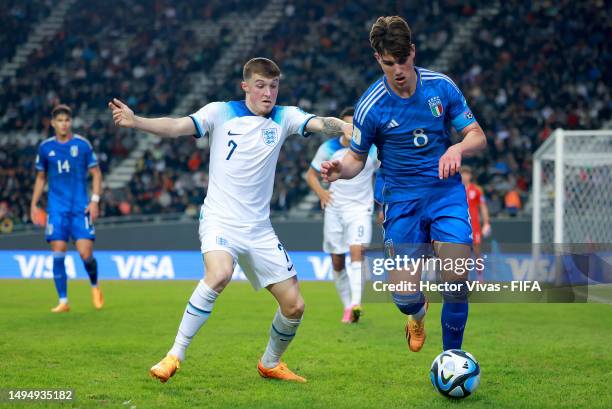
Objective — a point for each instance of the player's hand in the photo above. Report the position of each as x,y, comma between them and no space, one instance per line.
486,230
34,210
123,116
450,162
380,218
331,170
93,210
326,198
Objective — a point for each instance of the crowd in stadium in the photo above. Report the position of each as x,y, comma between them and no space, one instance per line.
521,84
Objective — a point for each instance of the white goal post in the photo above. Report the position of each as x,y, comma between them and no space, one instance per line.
572,188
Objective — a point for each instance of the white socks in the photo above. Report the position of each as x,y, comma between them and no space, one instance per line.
196,314
343,287
354,274
282,332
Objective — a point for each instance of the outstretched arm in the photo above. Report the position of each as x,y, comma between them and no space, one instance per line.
168,127
347,168
329,126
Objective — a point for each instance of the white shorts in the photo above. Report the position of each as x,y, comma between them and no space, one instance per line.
342,229
256,249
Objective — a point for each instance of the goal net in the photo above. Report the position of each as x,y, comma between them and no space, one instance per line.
572,188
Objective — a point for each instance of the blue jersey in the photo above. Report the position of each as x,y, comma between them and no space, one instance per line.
411,134
66,165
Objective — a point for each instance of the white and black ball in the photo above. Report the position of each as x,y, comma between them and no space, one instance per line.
455,373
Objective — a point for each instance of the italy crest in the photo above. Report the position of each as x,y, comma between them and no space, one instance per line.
435,105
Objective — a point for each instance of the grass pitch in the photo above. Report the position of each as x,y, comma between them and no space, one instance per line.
531,355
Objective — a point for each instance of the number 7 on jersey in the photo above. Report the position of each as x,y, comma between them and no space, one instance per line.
233,148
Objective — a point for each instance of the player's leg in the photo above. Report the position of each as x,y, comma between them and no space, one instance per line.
404,235
343,286
85,249
455,307
451,231
359,234
268,265
57,234
59,247
333,244
219,266
283,329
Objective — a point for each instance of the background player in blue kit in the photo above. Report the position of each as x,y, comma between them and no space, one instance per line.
65,161
407,114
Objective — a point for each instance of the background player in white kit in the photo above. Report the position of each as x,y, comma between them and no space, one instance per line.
347,224
245,141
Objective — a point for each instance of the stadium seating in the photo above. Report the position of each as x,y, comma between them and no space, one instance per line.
520,84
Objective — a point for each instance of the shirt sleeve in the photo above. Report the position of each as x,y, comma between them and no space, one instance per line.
321,156
458,110
204,119
295,121
41,160
363,135
92,159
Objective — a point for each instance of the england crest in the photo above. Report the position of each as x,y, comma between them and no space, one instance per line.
435,105
270,136
74,151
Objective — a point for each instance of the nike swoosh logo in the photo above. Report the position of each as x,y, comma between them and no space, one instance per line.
290,268
230,133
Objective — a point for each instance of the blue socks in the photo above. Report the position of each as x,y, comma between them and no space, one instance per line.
59,276
454,318
91,266
409,304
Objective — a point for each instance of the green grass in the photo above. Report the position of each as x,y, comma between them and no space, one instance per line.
531,355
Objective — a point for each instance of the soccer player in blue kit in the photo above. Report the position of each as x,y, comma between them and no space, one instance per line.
407,114
65,160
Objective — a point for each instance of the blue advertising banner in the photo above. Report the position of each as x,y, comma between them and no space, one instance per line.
188,265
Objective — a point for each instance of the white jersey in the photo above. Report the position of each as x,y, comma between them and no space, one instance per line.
244,149
347,194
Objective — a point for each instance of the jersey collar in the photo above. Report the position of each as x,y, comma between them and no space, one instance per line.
393,95
241,109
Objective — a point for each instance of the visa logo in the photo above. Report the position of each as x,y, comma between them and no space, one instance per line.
41,266
144,267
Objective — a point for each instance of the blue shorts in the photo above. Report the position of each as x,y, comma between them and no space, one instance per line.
436,214
66,225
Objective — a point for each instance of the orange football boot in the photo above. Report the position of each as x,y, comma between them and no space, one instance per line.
97,298
165,368
61,307
280,371
415,332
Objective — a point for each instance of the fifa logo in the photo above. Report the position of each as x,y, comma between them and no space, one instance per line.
270,136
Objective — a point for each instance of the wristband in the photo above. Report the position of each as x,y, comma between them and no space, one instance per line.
95,198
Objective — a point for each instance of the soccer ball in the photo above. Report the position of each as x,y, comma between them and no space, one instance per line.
455,373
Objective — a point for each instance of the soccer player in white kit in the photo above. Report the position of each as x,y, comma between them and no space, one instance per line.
347,223
245,141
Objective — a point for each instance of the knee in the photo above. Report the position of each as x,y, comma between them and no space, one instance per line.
218,280
338,262
295,309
